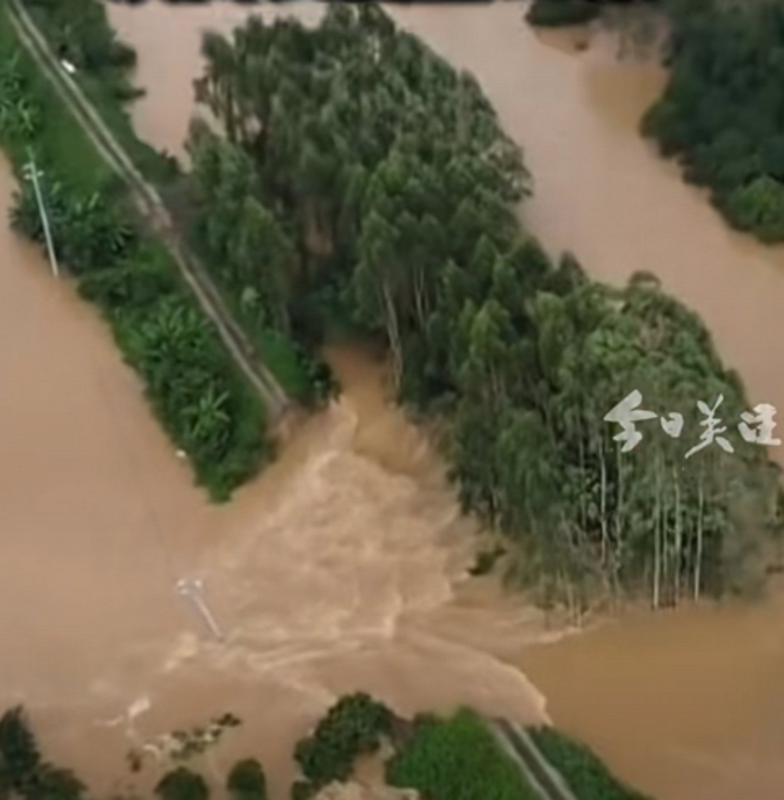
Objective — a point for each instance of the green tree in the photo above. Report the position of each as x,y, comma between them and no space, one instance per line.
18,749
182,784
247,781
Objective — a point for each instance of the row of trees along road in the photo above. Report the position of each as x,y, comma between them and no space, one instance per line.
383,190
194,388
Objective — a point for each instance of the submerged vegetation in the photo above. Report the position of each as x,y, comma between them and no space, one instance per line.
387,192
354,726
453,758
207,408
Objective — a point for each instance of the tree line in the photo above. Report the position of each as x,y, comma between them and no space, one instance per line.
442,758
387,191
722,111
555,13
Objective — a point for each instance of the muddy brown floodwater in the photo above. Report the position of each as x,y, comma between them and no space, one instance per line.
340,568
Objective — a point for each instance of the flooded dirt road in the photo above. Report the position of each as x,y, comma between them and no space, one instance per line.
690,706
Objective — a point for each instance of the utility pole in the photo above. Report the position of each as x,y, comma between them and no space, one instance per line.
190,588
32,173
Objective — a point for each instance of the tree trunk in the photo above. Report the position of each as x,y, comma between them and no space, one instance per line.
393,333
657,545
678,537
698,562
603,504
618,520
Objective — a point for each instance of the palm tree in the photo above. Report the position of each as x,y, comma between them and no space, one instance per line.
208,421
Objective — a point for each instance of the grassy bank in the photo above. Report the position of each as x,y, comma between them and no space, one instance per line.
58,139
79,32
191,382
585,773
457,759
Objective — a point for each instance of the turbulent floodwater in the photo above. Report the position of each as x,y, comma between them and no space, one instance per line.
340,568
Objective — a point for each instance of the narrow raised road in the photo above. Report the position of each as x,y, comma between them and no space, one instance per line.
548,783
153,210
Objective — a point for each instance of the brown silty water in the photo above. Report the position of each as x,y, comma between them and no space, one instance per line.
687,705
340,568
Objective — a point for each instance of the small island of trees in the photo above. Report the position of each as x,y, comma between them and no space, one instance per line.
384,191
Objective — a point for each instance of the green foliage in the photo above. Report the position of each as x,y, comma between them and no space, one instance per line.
207,408
23,772
247,781
19,754
182,784
354,726
88,232
759,206
32,115
457,759
376,180
554,13
79,31
55,783
253,261
302,790
722,109
586,774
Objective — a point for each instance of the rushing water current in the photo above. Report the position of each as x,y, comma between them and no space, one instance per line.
341,567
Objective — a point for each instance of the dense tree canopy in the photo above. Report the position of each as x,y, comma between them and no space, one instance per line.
396,188
723,109
568,12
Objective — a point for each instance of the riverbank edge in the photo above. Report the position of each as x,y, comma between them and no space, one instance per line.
254,446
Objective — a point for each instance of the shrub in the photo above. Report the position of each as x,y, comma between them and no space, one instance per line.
353,726
247,781
182,784
554,13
